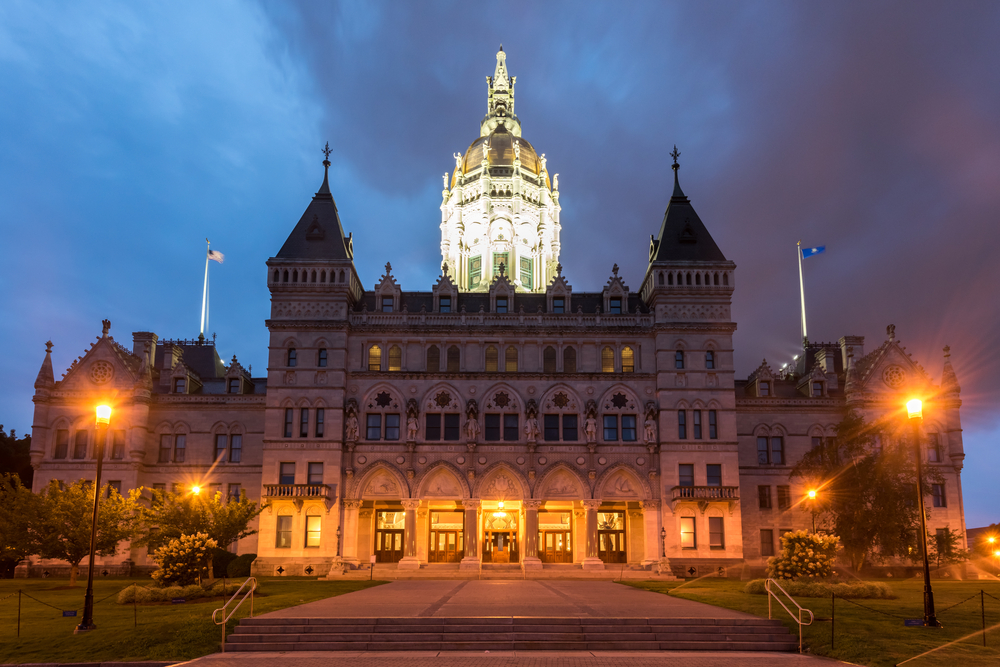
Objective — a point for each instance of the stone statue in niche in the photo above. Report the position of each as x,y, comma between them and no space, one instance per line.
412,427
590,429
472,429
531,429
351,428
650,428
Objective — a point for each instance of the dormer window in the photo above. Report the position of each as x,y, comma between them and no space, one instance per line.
292,357
615,305
180,384
817,389
444,305
321,358
501,304
765,389
558,304
710,360
234,385
387,304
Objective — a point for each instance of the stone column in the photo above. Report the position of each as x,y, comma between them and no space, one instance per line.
410,560
531,559
651,532
471,560
590,559
350,535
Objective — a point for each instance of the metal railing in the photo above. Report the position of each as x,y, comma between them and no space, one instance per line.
771,583
252,581
705,492
296,491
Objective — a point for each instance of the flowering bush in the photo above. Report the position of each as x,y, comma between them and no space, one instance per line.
804,554
183,560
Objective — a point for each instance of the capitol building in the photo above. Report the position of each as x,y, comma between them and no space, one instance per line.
498,417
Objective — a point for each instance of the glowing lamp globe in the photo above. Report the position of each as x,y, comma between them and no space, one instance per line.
812,494
103,414
195,490
914,408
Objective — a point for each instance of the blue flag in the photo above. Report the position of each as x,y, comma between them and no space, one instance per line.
809,252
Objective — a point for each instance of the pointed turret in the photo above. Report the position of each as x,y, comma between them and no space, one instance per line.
500,100
319,234
46,378
949,381
683,236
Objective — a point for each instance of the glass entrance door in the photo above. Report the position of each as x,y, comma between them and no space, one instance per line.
445,547
555,546
611,537
500,547
389,536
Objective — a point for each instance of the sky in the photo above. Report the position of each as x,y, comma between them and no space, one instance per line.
131,131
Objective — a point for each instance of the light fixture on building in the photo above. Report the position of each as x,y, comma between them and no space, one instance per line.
196,489
500,514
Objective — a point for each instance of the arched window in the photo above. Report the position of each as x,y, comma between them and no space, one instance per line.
395,358
549,360
569,360
725,278
374,358
312,277
510,359
343,276
322,276
454,359
607,360
491,359
688,278
661,277
433,359
710,360
679,359
716,278
697,279
628,360
292,357
276,275
285,280
670,278
295,276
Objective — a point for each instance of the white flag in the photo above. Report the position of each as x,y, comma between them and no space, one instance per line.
216,255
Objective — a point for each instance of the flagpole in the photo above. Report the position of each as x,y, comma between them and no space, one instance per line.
204,291
802,294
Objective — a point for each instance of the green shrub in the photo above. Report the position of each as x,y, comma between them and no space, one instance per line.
804,554
240,566
861,590
220,562
182,561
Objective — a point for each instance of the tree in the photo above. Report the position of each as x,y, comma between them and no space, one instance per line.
867,480
944,549
15,457
18,515
172,515
65,518
183,560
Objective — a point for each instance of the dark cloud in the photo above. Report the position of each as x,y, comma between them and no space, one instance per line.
870,127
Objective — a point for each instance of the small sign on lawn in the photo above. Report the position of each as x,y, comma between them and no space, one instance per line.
908,622
69,613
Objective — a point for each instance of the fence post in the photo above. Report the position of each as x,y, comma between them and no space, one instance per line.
18,612
833,616
982,612
135,610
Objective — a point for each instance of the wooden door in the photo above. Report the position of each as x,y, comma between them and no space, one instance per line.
388,546
555,546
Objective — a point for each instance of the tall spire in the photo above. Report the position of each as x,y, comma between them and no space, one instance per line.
676,167
45,376
949,381
500,100
325,188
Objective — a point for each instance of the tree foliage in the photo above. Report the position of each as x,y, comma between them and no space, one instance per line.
65,517
182,561
944,549
172,515
804,554
867,480
15,456
19,512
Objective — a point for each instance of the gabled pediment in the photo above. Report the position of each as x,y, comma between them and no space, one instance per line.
615,289
889,369
387,292
106,365
559,287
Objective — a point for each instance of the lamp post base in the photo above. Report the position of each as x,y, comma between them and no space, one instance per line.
83,628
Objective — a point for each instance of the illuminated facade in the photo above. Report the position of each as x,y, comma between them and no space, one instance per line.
484,423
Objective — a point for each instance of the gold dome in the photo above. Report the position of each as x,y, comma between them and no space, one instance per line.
501,152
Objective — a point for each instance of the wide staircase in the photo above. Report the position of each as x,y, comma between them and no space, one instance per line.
510,633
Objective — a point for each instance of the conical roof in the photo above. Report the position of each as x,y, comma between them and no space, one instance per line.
683,237
318,234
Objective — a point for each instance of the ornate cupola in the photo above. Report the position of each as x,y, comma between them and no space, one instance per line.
313,274
688,279
499,205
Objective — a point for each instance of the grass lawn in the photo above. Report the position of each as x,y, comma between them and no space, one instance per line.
867,637
165,631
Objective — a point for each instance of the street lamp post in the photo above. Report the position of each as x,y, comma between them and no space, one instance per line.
914,410
812,507
103,419
663,542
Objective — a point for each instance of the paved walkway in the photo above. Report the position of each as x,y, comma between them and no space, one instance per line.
462,599
511,659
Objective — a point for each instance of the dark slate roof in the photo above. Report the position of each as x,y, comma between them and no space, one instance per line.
203,358
683,237
319,234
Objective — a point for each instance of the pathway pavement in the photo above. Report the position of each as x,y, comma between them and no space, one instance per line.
463,599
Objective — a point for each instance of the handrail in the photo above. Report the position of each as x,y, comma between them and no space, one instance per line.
798,619
253,586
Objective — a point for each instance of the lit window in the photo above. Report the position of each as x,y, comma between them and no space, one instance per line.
395,358
628,360
492,359
607,360
688,540
510,358
313,527
375,358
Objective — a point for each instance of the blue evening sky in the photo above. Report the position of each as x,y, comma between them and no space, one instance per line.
130,131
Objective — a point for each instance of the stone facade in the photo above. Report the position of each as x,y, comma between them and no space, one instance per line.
501,422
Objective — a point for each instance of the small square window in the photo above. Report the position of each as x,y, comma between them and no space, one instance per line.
628,428
374,427
315,473
817,389
392,427
286,473
234,385
179,385
610,428
713,472
501,304
558,305
492,427
444,304
685,472
615,306
765,389
432,426
387,304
